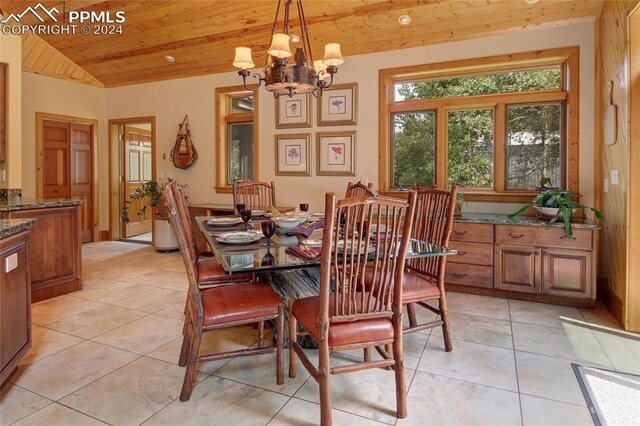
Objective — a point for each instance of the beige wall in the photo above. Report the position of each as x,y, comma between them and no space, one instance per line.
169,101
54,96
10,53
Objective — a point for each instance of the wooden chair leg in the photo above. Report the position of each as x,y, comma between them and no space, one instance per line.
190,373
325,384
260,333
411,310
367,354
186,342
401,383
279,346
293,337
446,331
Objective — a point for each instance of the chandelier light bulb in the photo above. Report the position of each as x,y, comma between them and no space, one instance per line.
332,55
280,46
243,58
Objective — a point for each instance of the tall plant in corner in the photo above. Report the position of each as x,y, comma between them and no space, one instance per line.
151,195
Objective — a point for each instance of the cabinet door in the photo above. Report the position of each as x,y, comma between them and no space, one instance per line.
517,268
566,272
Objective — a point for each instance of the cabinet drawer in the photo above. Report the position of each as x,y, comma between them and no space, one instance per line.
543,237
476,232
473,253
471,275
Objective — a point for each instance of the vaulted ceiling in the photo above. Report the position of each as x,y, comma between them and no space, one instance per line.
202,34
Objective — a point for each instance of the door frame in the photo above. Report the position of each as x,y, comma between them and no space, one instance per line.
115,161
40,117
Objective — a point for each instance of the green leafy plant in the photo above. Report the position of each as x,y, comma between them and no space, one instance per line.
151,194
562,199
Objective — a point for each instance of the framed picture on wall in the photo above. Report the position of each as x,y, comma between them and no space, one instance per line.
336,154
293,155
337,106
293,112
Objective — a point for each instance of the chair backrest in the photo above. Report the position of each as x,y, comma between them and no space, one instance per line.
190,262
433,222
255,195
359,189
347,260
182,209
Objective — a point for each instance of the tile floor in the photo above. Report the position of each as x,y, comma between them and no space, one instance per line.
108,355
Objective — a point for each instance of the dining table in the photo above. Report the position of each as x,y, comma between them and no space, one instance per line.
288,264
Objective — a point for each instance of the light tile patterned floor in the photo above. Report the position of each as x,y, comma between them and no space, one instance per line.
108,355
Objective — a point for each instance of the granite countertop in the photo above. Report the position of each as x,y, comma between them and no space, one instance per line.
9,227
521,220
36,203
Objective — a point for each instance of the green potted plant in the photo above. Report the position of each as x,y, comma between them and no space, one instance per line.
557,204
150,196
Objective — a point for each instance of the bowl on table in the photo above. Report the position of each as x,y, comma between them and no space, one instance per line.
286,222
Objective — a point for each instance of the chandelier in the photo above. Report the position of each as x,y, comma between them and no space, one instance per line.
304,75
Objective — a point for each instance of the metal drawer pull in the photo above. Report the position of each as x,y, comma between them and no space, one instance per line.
516,236
461,252
459,232
459,275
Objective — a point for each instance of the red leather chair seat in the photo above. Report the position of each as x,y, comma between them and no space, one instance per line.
343,333
226,304
415,287
210,271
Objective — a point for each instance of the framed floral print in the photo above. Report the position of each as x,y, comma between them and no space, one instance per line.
292,112
337,106
336,154
293,155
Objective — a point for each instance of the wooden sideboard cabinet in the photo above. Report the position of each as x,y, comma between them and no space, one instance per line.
54,250
15,303
526,262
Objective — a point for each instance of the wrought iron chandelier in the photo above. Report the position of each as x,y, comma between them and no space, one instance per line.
304,75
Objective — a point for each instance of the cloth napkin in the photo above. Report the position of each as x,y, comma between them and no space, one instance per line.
309,253
305,230
275,212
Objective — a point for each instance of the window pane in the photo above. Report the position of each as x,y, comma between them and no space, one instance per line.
243,105
534,140
240,151
506,82
470,148
414,144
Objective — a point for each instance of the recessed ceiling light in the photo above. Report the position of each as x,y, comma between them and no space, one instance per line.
294,38
404,19
531,1
170,59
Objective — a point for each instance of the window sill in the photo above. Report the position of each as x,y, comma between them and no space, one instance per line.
480,196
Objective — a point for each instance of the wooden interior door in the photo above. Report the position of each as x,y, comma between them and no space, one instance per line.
56,157
137,171
81,172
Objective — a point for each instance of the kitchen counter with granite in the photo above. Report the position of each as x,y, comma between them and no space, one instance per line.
521,220
9,227
36,203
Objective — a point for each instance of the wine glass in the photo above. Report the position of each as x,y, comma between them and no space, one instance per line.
268,259
240,207
245,214
268,229
304,207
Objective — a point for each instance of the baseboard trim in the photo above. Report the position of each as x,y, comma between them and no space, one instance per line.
614,304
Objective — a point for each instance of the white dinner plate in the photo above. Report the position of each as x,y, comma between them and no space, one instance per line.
224,221
239,237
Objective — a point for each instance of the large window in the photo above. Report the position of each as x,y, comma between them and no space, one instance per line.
236,140
496,125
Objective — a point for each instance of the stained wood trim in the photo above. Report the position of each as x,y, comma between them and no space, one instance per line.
223,100
115,186
95,198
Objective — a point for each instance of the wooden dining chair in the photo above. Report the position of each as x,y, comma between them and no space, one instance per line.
346,315
209,271
359,189
424,277
213,308
255,195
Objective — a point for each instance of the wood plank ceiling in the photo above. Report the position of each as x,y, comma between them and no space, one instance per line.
202,34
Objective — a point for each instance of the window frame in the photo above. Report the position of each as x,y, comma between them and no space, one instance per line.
566,58
224,117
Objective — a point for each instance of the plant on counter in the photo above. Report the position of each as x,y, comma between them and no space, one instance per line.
560,200
151,191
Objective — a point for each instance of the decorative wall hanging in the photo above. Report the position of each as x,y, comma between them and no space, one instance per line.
184,153
337,105
293,111
293,155
610,119
336,154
